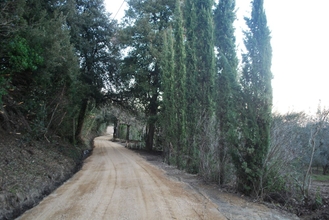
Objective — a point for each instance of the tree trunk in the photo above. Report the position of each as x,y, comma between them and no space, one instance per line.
325,169
149,136
118,130
127,135
81,120
166,152
115,129
150,128
222,159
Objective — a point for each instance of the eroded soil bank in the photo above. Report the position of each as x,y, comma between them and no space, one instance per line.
30,170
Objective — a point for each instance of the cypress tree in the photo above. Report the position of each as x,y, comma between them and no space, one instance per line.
204,49
205,86
168,88
226,80
256,102
200,79
180,85
174,91
191,85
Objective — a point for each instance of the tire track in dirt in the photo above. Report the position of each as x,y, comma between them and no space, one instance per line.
106,197
192,194
142,191
158,188
167,204
129,184
116,183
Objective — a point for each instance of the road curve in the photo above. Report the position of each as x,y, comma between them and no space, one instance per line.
116,183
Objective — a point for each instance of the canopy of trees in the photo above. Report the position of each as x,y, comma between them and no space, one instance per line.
55,65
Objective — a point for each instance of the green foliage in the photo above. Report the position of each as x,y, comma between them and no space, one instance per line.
173,78
192,103
204,51
3,88
142,65
52,63
274,181
92,33
318,197
200,77
256,104
22,57
226,82
41,71
56,78
10,19
168,104
321,178
179,89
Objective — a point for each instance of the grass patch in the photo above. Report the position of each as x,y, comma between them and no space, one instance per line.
321,178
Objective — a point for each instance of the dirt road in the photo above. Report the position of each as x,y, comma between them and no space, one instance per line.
116,183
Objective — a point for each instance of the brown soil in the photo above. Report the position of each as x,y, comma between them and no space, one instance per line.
116,183
235,206
231,205
318,207
30,170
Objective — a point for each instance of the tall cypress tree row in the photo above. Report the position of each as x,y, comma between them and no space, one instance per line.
167,119
200,79
226,80
180,86
204,50
256,102
174,91
205,79
190,17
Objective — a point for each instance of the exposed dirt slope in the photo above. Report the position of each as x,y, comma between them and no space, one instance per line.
116,183
30,170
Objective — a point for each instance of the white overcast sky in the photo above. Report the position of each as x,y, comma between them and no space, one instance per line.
300,43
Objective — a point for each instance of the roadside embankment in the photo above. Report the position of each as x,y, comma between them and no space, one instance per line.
30,170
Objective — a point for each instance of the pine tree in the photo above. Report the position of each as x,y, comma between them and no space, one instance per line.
226,80
256,102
